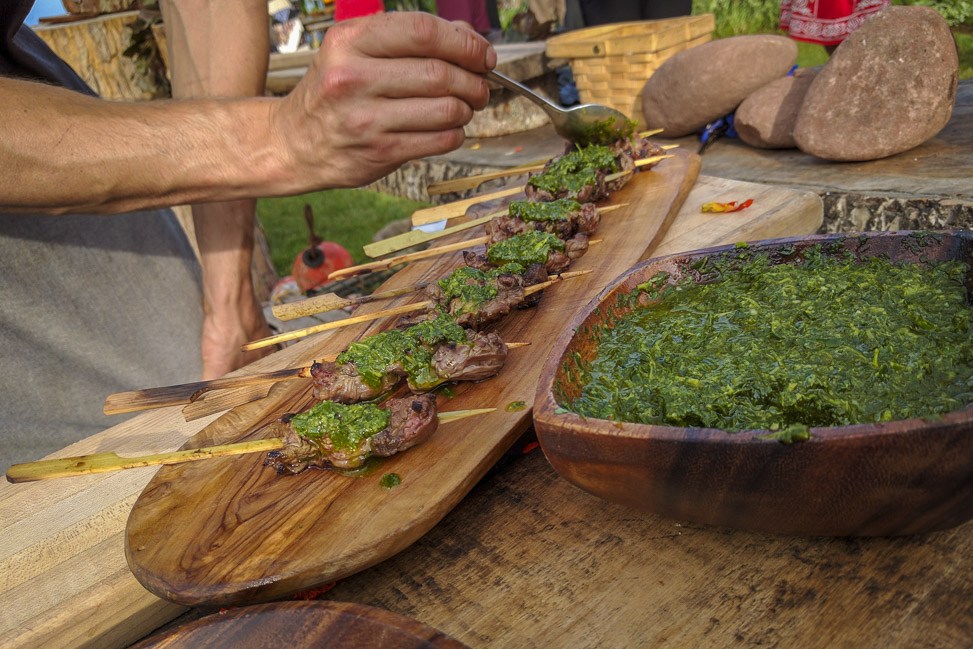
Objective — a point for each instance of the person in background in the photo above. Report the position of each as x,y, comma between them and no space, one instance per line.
472,12
602,12
826,22
96,304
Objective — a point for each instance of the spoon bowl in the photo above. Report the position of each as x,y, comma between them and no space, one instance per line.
582,124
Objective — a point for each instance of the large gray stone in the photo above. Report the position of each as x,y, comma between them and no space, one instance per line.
706,82
766,118
889,87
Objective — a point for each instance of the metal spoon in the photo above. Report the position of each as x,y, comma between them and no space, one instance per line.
578,123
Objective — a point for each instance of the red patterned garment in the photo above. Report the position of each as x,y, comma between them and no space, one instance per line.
826,22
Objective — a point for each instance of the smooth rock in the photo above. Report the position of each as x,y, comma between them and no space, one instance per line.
706,82
889,87
766,118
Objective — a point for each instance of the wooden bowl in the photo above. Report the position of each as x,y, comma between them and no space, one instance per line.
900,477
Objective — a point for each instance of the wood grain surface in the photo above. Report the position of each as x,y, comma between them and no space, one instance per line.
527,560
303,624
265,536
64,581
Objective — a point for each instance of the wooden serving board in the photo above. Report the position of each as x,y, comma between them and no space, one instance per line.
232,531
64,581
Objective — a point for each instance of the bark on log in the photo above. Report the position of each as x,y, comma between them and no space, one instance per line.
94,49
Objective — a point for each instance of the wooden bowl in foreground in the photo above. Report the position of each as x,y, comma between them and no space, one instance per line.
901,477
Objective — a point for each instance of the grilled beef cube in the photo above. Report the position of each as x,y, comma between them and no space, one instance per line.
474,361
411,421
342,383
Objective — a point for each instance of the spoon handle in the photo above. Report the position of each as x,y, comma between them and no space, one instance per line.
553,110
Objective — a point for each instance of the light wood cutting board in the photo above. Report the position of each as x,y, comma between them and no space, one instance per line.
65,582
232,531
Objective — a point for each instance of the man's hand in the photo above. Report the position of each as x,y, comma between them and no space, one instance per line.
381,91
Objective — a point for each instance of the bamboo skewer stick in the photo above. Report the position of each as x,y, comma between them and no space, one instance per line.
332,302
415,237
213,402
402,259
337,324
472,182
135,400
312,306
105,462
368,317
457,209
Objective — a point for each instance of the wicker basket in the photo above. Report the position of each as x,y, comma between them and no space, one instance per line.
611,63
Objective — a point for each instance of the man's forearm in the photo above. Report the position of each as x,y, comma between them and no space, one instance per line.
64,152
380,91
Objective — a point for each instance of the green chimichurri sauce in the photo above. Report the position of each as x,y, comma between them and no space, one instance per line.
526,248
472,286
390,480
347,426
516,406
575,170
783,347
538,211
412,348
605,132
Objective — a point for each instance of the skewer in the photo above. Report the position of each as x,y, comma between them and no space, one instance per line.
398,310
402,259
458,208
192,393
312,306
416,237
472,182
105,462
213,402
172,395
384,264
333,301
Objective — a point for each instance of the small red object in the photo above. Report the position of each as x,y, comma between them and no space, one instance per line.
345,9
313,266
727,207
530,446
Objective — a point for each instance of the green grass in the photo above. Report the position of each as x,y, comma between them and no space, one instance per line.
350,217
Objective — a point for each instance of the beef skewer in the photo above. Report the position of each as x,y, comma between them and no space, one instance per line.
531,248
587,189
583,220
563,217
394,440
427,305
345,435
426,355
582,173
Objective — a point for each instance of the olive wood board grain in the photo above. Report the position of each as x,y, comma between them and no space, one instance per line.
233,532
303,625
64,581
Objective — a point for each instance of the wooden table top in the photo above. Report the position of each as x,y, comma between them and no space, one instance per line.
528,560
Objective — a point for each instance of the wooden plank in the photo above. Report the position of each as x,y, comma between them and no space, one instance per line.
528,560
304,530
64,581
